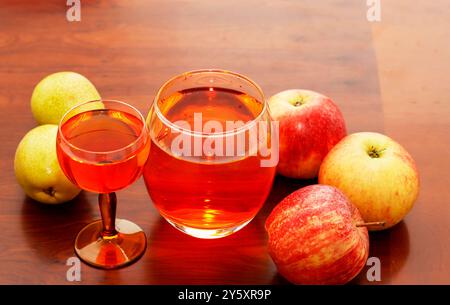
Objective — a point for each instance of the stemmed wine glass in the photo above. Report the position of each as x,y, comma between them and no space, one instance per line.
102,147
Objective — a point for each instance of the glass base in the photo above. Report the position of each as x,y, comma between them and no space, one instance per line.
208,233
110,252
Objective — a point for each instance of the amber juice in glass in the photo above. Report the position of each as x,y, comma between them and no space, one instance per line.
210,191
102,130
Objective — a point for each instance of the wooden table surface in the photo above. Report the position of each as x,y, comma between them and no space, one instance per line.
389,76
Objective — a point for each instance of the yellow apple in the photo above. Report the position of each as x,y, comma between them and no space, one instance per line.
57,93
376,173
37,169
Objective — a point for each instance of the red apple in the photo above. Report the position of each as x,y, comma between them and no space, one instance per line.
376,173
314,237
310,125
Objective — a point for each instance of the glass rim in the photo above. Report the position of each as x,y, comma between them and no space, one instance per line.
139,115
247,125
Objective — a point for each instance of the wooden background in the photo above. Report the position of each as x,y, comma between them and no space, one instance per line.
389,76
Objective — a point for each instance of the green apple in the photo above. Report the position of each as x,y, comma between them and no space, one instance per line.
37,169
57,93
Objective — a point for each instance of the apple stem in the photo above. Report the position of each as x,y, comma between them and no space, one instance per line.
373,223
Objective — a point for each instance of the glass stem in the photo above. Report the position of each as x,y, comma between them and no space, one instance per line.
108,203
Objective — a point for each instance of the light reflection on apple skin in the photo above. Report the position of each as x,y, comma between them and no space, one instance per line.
391,246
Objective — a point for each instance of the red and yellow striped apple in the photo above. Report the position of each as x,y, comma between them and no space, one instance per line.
376,173
310,125
316,237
